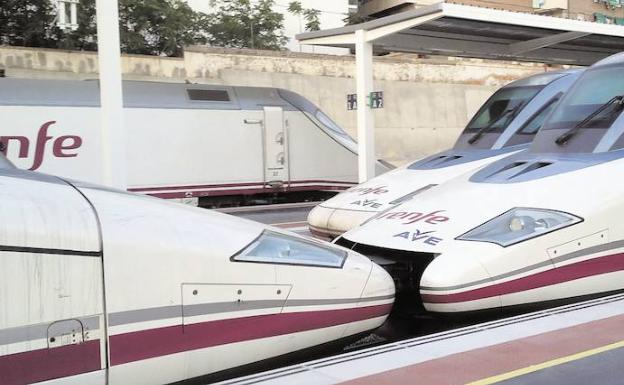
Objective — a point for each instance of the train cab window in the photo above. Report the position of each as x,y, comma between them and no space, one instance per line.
533,125
278,248
319,118
594,101
587,114
528,130
501,108
208,95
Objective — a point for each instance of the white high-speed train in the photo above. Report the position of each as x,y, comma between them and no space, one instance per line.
539,226
505,124
211,144
106,287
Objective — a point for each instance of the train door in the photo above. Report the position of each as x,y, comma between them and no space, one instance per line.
51,299
276,167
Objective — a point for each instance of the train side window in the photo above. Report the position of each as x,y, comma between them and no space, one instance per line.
208,95
278,248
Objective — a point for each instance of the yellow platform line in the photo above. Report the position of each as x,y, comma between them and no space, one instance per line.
547,364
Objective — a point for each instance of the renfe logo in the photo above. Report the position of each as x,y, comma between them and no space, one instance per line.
411,217
370,190
422,236
60,146
367,203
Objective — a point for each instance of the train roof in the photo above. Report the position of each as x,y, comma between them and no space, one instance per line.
139,94
542,79
613,59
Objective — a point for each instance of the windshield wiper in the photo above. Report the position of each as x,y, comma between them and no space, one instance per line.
513,111
566,136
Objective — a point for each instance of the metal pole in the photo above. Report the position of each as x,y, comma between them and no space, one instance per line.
113,138
365,122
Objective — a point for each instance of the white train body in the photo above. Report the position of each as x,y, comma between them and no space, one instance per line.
182,140
106,287
538,227
521,107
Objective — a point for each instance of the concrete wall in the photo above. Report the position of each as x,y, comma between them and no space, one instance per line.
427,101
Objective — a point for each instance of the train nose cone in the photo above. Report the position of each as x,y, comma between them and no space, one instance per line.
332,222
380,285
317,221
454,284
344,220
378,295
376,301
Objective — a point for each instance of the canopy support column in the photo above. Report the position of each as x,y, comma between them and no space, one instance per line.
113,138
365,119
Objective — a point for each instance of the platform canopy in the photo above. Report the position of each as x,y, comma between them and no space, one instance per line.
475,32
465,31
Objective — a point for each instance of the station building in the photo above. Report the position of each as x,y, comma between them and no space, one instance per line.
600,11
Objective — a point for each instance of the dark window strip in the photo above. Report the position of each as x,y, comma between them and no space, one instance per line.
39,250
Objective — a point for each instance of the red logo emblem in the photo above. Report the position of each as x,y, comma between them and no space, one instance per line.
407,218
61,146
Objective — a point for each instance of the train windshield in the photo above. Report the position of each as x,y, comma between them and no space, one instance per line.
585,119
319,118
500,110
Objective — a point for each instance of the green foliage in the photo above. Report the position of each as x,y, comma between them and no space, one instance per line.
241,24
355,18
27,23
85,37
295,8
152,27
158,27
310,15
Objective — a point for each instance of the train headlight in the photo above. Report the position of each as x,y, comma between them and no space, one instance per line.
520,224
276,248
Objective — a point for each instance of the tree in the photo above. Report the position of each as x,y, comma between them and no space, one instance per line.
310,15
85,36
356,18
295,7
158,27
152,27
27,23
241,24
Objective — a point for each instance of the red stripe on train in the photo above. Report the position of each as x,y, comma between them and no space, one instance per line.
48,364
152,343
584,269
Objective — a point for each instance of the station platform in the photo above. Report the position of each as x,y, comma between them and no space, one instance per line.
581,343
